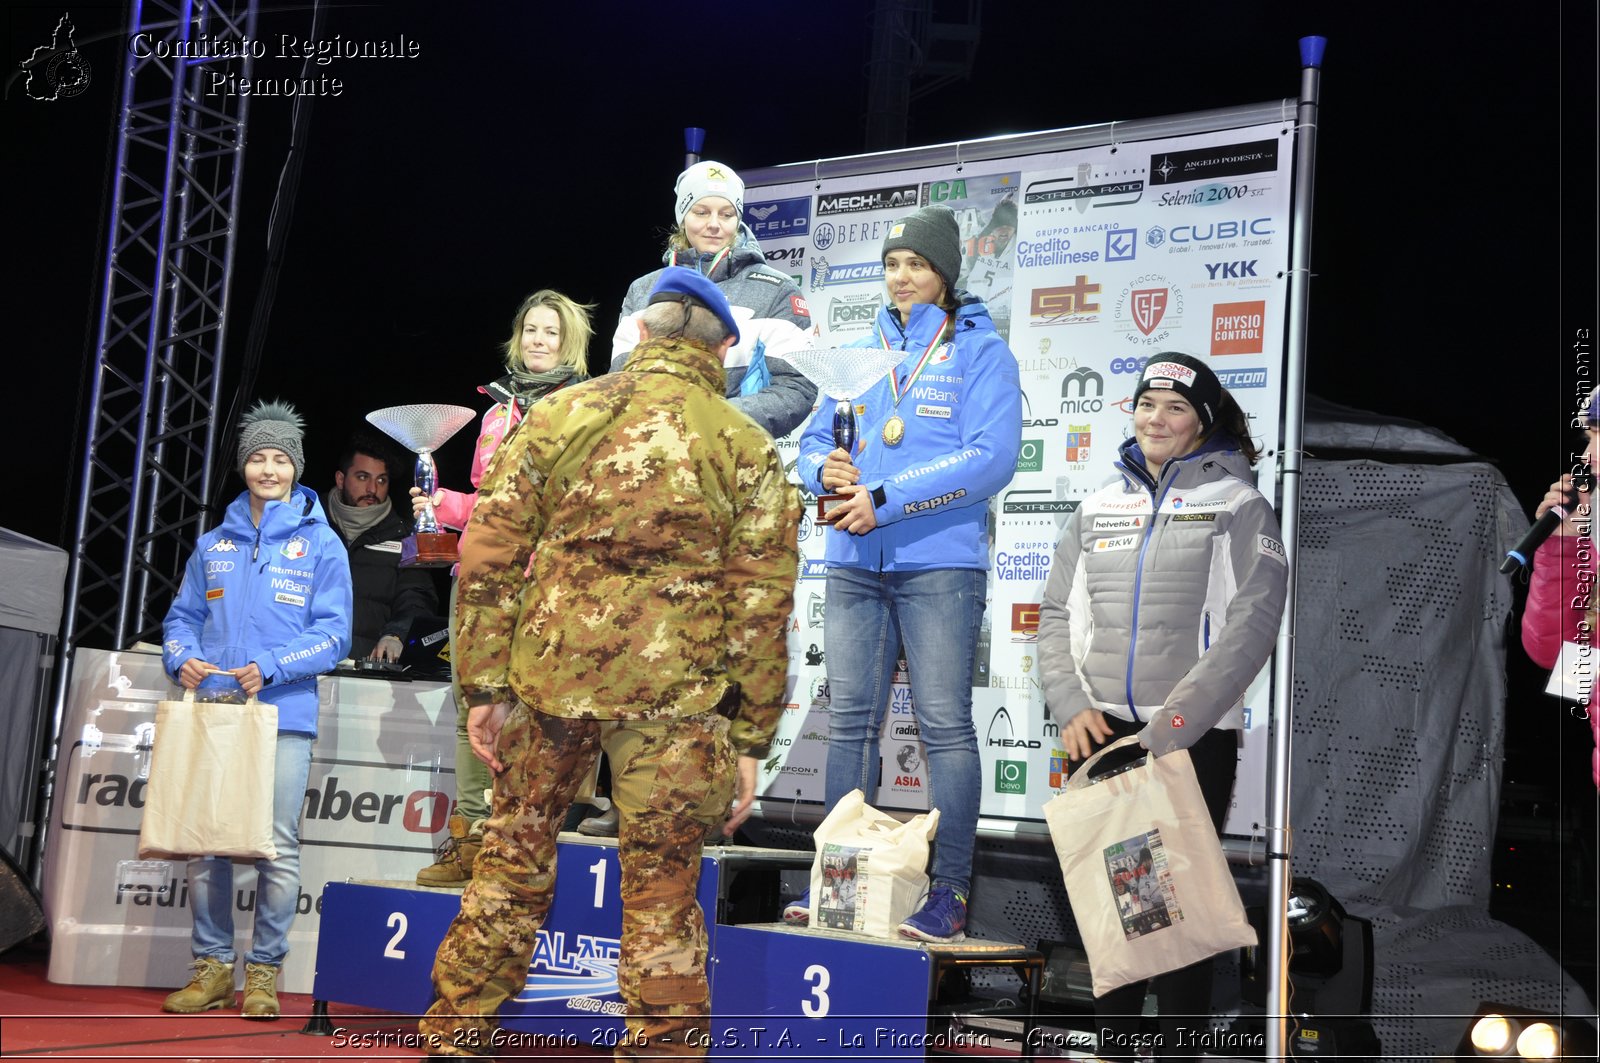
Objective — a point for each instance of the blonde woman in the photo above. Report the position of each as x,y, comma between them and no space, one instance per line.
548,350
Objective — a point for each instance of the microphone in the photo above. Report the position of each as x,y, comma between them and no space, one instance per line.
1522,553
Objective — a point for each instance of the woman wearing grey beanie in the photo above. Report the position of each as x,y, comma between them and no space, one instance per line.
909,553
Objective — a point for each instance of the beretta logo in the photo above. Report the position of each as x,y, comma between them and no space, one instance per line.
897,197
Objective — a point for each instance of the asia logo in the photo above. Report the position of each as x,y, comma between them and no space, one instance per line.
1075,397
1148,310
1024,622
1236,328
1067,304
781,217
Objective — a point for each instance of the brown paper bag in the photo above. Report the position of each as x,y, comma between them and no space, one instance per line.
211,781
1149,886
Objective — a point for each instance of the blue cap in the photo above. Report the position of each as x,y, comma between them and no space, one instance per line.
679,285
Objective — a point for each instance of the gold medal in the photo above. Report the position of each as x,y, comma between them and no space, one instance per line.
894,430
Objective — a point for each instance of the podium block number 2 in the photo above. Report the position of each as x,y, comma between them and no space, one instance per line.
399,922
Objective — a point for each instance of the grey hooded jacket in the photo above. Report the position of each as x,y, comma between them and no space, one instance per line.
772,316
1163,599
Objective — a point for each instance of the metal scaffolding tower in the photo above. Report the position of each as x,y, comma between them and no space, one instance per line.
147,463
918,46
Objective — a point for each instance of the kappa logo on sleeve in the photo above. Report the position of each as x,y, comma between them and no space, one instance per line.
222,546
1274,549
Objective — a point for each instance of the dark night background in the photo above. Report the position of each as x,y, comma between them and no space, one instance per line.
535,145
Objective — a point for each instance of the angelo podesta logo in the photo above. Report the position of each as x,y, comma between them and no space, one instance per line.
56,71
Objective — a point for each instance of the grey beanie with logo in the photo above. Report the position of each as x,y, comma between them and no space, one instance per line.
933,233
274,424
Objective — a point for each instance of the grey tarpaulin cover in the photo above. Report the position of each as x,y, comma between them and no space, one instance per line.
32,583
1400,707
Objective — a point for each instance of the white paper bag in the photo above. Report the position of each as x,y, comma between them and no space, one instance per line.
870,871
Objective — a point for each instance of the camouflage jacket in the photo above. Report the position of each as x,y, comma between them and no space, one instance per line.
662,532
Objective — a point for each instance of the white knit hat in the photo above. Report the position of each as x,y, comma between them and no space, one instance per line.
707,179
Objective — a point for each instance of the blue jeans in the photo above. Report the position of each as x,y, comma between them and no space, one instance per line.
277,881
935,615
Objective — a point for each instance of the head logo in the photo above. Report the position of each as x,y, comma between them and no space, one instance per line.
1237,328
1002,734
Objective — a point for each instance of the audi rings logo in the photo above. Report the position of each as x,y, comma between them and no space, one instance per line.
215,568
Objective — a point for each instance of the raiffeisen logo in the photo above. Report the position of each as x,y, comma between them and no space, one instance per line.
587,969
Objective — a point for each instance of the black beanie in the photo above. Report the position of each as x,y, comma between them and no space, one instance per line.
1189,377
933,233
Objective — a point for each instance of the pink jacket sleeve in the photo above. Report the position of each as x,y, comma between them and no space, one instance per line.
456,509
1558,593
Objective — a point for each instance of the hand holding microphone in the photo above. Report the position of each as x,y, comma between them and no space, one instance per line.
1566,503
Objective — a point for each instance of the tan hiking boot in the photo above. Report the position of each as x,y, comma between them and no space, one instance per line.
454,864
260,991
210,987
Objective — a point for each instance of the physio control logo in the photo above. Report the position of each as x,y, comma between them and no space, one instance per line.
1238,328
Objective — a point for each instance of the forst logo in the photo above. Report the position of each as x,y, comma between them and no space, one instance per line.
1237,328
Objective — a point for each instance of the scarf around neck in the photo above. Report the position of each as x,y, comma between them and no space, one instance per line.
355,521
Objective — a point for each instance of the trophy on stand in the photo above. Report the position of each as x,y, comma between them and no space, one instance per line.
843,374
422,429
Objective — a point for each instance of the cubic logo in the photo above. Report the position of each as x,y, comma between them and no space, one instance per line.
1011,776
1047,306
1237,328
1221,230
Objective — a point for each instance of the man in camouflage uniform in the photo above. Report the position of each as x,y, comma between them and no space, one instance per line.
662,532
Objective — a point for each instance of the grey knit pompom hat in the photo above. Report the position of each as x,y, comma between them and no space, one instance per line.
273,424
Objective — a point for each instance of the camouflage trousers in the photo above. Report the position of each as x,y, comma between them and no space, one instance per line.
671,779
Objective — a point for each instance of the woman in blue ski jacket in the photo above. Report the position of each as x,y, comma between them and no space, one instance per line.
1161,607
908,552
264,607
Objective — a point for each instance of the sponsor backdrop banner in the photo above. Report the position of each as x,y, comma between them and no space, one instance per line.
1090,260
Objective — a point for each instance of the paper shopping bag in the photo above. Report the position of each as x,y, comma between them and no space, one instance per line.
870,871
211,780
1149,886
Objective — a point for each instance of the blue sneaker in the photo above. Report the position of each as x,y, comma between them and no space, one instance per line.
798,911
942,918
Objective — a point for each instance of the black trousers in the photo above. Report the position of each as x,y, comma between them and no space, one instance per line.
1183,997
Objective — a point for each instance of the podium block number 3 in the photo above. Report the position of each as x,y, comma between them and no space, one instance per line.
817,1006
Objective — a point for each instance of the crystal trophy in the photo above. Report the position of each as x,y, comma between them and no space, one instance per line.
422,429
843,374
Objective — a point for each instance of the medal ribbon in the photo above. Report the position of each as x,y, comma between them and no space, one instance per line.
895,387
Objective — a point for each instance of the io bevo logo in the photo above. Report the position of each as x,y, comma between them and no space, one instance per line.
1011,776
1030,457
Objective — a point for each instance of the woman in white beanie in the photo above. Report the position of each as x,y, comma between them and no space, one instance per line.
710,236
